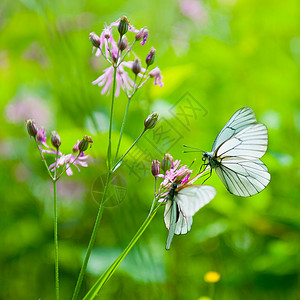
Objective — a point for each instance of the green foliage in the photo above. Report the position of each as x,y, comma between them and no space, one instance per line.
240,53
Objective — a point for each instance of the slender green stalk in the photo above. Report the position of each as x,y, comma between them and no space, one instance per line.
110,271
110,120
140,81
56,230
56,241
92,240
122,128
116,165
100,210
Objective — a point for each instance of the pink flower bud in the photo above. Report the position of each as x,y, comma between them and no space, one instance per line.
155,167
123,43
55,139
150,57
85,143
140,34
31,128
136,66
94,39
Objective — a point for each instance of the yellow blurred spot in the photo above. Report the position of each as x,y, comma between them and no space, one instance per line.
212,276
204,298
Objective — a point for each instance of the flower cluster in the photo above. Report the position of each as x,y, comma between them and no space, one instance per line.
76,158
115,54
172,172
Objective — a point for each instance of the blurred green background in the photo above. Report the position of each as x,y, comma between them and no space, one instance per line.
217,55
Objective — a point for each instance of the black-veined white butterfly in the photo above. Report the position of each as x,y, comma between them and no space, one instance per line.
183,201
236,151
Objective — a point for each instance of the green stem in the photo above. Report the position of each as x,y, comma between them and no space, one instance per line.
116,165
100,210
92,240
110,120
110,271
56,230
122,128
141,79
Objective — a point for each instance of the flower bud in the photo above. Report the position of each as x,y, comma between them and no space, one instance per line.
140,34
55,139
84,143
94,39
136,66
123,26
123,43
150,57
151,121
167,162
31,128
155,167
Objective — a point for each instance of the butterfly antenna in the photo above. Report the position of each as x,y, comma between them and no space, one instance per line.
198,150
190,151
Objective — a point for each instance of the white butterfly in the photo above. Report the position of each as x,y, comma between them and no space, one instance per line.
183,201
236,151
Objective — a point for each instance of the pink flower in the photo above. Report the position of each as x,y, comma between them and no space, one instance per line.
107,40
175,174
122,79
41,140
28,107
110,46
70,160
156,74
194,10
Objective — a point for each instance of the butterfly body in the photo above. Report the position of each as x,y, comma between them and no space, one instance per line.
213,160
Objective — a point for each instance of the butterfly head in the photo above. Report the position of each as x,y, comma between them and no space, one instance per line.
205,157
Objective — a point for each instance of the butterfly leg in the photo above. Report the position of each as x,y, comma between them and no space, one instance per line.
203,165
208,176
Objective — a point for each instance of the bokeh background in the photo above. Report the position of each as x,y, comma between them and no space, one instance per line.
218,55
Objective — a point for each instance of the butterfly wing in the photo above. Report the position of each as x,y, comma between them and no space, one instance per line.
240,120
171,216
179,211
243,177
250,143
190,199
193,197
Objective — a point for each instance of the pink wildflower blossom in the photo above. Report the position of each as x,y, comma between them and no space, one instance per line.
156,74
122,79
175,174
70,160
